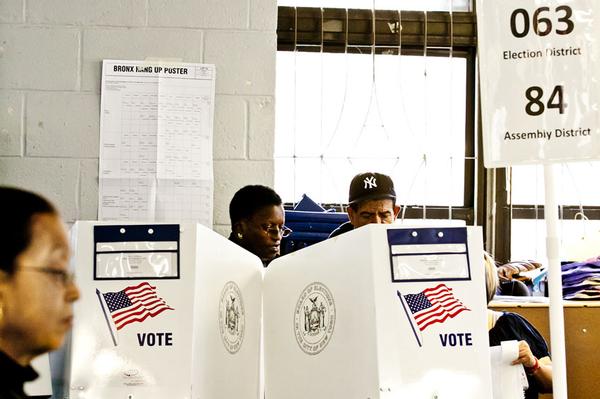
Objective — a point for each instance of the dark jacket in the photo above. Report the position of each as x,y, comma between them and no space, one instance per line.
12,378
343,228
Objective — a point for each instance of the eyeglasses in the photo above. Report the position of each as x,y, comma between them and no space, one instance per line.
273,229
63,276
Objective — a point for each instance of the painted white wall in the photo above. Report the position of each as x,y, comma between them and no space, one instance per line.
50,62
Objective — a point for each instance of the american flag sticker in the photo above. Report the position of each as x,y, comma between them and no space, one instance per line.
432,305
132,304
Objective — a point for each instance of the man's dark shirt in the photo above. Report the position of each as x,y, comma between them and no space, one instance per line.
343,228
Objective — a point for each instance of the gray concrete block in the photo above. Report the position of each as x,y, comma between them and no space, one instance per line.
261,129
63,125
135,44
232,14
223,229
263,15
39,58
245,61
88,190
230,176
56,179
230,129
87,12
11,11
11,123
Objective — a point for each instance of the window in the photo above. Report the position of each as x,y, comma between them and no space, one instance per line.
336,117
429,5
579,199
354,92
406,110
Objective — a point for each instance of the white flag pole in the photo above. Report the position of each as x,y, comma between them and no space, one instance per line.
557,322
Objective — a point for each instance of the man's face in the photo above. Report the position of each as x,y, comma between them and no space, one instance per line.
381,211
262,232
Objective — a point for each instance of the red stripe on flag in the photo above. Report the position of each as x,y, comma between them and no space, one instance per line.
441,320
145,303
139,287
140,319
134,307
443,313
140,311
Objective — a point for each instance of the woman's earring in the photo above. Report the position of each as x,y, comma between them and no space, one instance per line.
240,236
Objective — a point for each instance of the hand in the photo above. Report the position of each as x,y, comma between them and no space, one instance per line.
506,272
525,357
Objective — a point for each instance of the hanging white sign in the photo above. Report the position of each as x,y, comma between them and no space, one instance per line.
540,88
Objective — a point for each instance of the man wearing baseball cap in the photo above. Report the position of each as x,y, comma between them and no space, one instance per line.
372,199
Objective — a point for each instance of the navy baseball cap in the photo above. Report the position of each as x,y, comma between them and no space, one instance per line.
371,186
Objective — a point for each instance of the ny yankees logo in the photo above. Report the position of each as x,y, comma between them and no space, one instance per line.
370,182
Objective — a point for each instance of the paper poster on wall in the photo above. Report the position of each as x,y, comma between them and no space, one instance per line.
156,129
540,80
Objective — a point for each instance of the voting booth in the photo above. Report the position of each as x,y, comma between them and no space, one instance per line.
166,310
379,312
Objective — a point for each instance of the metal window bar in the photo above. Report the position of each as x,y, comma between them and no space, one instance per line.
332,29
437,33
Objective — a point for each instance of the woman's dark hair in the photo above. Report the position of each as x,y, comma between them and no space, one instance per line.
18,207
250,199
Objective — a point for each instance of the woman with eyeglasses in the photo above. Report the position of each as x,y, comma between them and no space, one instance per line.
36,288
257,221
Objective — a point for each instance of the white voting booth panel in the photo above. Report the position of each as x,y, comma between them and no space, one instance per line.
166,311
379,312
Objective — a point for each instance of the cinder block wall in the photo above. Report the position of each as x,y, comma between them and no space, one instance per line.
50,63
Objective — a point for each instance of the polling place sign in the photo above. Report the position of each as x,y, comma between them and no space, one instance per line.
540,88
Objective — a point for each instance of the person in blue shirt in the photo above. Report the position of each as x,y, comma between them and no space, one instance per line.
36,288
371,199
507,326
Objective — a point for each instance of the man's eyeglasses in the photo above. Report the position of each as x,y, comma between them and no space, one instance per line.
273,229
62,276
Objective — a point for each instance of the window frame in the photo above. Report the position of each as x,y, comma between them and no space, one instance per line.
506,212
433,33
